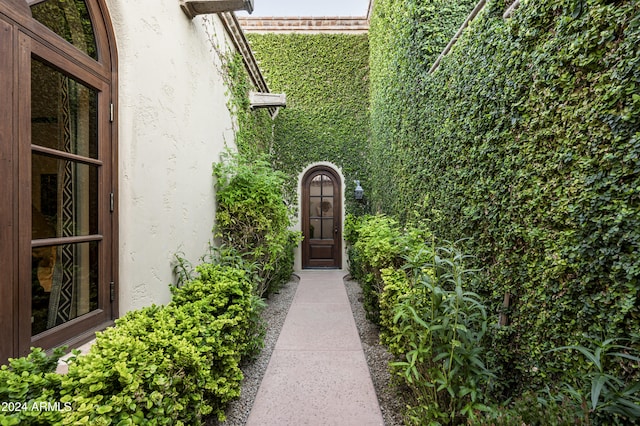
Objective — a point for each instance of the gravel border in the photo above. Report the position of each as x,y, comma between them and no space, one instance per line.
378,358
274,314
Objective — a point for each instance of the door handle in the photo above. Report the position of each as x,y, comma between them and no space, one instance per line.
335,230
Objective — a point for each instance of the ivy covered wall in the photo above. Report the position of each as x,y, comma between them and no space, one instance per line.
253,127
326,80
405,38
526,140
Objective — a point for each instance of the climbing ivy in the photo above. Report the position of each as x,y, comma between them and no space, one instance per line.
526,140
405,38
254,131
326,80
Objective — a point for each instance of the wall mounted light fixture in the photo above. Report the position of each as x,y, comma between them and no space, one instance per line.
192,8
359,192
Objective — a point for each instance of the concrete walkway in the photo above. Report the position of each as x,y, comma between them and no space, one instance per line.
317,374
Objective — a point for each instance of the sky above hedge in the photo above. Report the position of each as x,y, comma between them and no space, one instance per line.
308,8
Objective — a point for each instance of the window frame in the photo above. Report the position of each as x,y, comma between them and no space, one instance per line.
24,38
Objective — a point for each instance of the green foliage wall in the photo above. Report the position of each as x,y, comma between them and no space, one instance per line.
527,140
326,79
405,38
254,131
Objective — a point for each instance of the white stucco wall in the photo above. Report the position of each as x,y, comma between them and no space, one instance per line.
297,263
172,123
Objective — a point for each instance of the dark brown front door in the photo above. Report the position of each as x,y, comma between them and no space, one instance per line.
321,219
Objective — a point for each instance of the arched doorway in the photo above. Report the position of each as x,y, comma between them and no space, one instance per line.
321,218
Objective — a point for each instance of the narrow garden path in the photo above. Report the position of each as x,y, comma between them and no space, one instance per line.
317,374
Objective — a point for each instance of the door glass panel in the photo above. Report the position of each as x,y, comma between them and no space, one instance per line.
70,20
315,206
64,284
315,228
327,229
326,207
327,185
64,113
315,188
321,224
64,198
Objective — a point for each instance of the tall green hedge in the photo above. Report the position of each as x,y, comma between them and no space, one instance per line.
326,80
405,38
526,140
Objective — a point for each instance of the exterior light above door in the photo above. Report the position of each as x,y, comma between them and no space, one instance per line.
359,192
191,8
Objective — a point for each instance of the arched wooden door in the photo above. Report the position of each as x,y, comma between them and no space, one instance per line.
321,219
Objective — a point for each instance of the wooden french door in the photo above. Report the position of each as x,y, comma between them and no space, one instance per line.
321,219
57,174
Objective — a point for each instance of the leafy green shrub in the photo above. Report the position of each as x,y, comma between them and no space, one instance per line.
226,292
598,395
130,379
376,242
397,287
440,327
595,396
28,382
253,220
532,409
160,365
374,247
172,364
433,325
352,224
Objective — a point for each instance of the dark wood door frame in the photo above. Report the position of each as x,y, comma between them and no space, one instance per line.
22,40
325,251
8,191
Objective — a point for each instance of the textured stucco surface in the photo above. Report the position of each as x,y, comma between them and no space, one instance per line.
172,123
